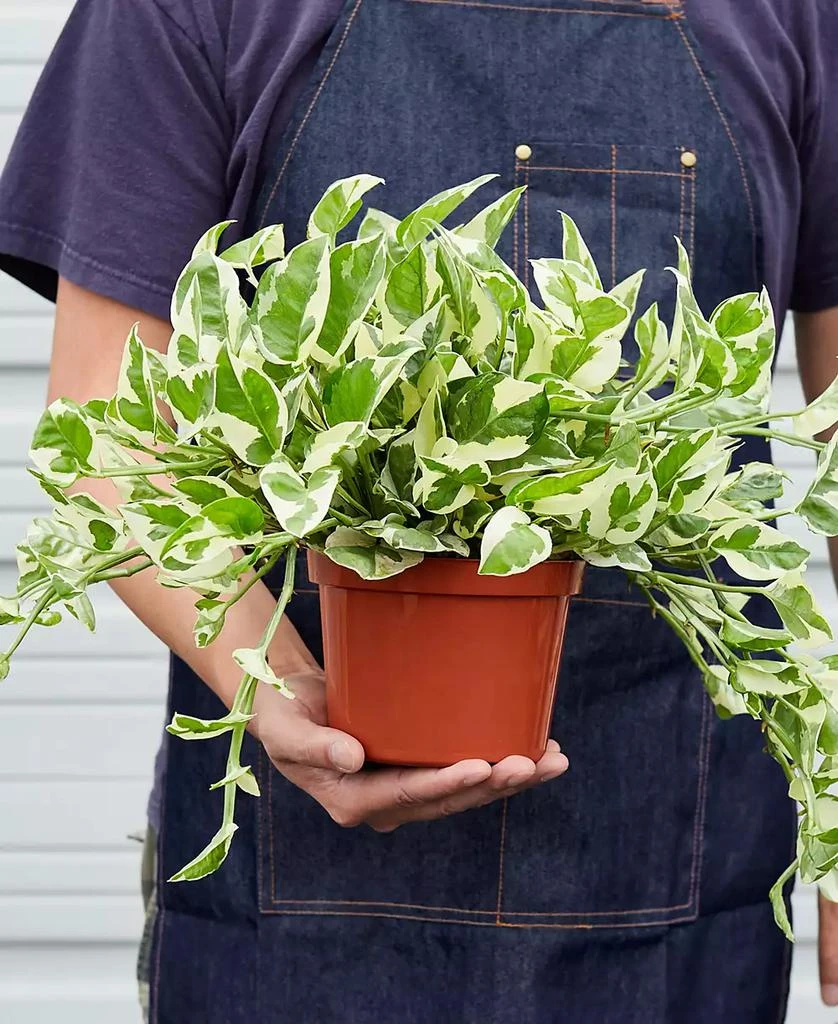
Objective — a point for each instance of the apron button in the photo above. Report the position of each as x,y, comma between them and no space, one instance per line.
688,158
523,152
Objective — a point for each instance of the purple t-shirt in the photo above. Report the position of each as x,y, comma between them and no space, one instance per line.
153,120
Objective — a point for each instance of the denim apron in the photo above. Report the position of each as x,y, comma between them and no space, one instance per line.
634,889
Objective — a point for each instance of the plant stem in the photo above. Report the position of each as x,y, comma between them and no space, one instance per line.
246,693
792,439
45,600
115,574
694,581
150,468
347,497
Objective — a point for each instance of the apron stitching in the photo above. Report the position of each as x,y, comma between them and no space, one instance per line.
308,112
480,924
674,15
527,227
692,215
260,872
515,226
731,137
603,170
682,207
500,861
698,821
271,843
637,912
613,216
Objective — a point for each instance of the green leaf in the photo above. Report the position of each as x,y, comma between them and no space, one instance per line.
411,287
819,508
291,301
652,340
575,249
756,551
766,678
205,540
488,225
355,272
749,637
243,777
254,662
405,538
63,443
754,484
266,245
819,414
418,224
299,506
339,204
512,543
185,727
249,410
210,858
329,445
135,404
781,915
796,606
352,392
370,559
496,416
556,494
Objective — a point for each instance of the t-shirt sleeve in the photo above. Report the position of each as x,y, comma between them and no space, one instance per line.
120,161
816,266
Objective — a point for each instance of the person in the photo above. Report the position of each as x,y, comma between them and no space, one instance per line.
635,889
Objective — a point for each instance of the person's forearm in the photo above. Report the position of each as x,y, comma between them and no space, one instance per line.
816,338
89,334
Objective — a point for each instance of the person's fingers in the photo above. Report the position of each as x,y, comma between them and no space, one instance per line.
296,739
495,787
828,950
395,791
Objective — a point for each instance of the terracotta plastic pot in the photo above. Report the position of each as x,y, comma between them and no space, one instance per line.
438,663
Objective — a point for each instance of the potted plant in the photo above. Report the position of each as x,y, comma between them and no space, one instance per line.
450,451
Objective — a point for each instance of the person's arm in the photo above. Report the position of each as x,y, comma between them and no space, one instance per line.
89,336
816,337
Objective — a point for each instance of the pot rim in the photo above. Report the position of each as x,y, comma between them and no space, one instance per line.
451,574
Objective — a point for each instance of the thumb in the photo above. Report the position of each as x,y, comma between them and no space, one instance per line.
299,740
828,949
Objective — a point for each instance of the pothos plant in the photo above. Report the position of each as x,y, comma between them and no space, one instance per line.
400,396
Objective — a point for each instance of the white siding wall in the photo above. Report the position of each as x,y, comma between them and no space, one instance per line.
80,716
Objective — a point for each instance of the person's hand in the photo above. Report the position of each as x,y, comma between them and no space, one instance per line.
327,764
828,949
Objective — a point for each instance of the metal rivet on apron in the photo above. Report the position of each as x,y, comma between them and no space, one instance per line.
688,158
523,152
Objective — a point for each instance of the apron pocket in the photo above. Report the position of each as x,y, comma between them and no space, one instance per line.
629,202
617,842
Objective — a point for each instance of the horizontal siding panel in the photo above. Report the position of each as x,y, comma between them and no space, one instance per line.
114,742
25,341
15,297
28,32
70,918
103,680
17,82
119,633
73,815
70,874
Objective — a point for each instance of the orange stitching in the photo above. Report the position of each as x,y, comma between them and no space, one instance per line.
681,207
271,844
308,113
673,16
639,912
601,170
701,802
527,227
477,924
731,137
692,217
500,860
613,216
518,213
